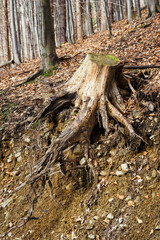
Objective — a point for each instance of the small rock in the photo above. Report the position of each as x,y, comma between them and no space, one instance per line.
113,152
128,198
26,139
119,173
10,224
111,200
9,160
77,150
15,173
78,219
154,173
99,147
158,227
18,154
110,216
91,236
137,199
103,173
19,159
69,187
125,167
90,226
156,120
120,220
123,226
82,161
148,178
150,107
136,113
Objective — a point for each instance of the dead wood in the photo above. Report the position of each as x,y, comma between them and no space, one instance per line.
141,66
92,90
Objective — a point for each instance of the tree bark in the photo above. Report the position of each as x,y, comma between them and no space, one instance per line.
47,41
130,11
79,19
152,7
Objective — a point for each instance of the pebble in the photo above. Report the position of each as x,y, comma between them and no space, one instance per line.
119,173
9,160
90,226
154,173
125,166
150,107
17,154
136,113
110,200
103,173
82,161
148,178
77,150
158,227
110,216
99,147
26,139
128,198
91,236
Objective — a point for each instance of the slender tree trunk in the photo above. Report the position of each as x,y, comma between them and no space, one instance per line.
130,11
152,7
98,14
13,33
62,22
89,23
48,53
8,53
138,8
107,16
70,34
79,19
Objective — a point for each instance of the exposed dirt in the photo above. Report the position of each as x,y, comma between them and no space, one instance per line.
130,196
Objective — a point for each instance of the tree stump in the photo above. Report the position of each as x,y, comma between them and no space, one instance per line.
92,88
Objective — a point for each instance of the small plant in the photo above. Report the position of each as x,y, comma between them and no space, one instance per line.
50,71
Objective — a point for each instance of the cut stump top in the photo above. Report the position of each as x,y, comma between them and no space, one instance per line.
103,59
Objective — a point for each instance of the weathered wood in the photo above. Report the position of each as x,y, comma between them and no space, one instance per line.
141,66
92,88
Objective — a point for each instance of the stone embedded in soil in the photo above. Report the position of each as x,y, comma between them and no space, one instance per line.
119,173
103,173
110,200
26,139
90,226
158,227
91,236
154,173
110,216
125,167
150,107
9,160
77,150
82,161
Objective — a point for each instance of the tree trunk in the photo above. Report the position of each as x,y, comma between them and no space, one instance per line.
152,7
79,19
138,9
47,41
93,88
130,11
14,34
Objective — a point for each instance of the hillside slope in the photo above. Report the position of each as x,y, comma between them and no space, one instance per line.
126,202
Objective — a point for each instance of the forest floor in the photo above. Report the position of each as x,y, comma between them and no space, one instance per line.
127,202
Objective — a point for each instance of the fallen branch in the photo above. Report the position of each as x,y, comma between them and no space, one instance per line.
141,67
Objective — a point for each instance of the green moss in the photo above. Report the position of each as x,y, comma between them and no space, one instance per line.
50,71
103,59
